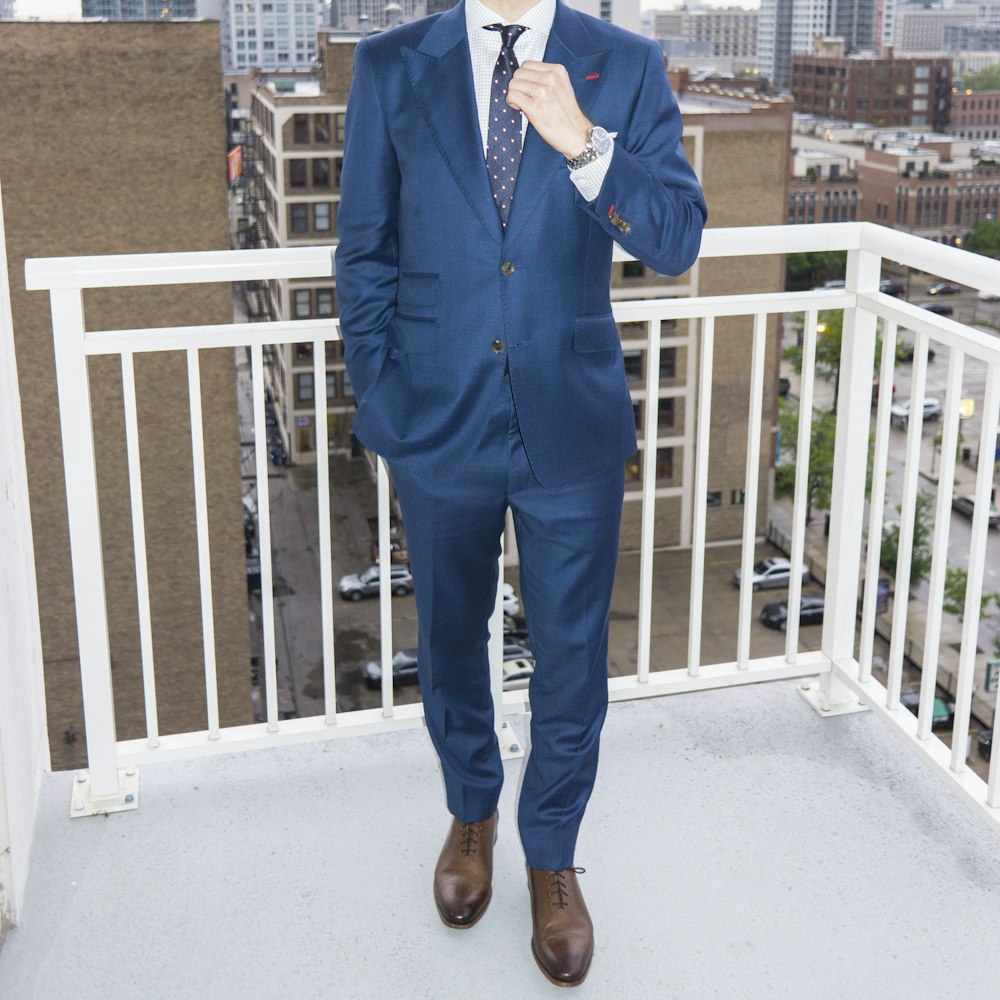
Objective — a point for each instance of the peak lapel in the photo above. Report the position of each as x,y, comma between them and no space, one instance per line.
440,72
571,44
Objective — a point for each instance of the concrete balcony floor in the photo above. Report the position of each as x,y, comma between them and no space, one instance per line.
737,846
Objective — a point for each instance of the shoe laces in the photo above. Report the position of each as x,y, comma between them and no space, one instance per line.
557,886
468,838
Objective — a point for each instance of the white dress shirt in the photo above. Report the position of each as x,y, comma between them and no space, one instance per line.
484,48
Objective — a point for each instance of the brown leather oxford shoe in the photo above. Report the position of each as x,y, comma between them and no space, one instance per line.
463,878
562,937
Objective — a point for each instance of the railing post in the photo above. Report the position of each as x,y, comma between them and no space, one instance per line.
103,788
847,498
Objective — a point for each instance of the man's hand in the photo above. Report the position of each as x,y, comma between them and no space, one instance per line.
542,91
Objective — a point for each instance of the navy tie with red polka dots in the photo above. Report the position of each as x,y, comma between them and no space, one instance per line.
503,141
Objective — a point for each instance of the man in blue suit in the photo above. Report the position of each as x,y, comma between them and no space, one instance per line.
492,156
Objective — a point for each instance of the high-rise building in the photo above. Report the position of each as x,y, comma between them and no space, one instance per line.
8,10
106,168
269,34
855,22
624,13
365,15
785,27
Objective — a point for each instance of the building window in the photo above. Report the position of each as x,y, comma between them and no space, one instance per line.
348,387
633,365
665,414
737,497
300,130
324,302
633,269
303,353
637,414
668,363
321,173
633,469
714,498
664,463
305,387
300,218
321,216
321,128
338,129
297,173
331,385
302,303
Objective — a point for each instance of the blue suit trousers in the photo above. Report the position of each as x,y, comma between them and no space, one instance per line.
568,545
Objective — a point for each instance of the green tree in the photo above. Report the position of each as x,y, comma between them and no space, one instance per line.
920,556
988,78
956,583
829,334
984,239
803,270
823,430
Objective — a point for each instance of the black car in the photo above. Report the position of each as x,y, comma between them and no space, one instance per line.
938,308
944,288
904,349
891,288
984,743
784,385
810,612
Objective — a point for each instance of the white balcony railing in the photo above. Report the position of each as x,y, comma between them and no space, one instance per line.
845,676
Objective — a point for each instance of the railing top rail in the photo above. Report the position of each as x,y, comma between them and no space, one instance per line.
116,270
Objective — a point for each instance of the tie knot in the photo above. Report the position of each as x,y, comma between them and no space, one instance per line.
509,33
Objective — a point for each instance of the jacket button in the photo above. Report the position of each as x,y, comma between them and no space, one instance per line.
624,227
506,268
614,218
498,346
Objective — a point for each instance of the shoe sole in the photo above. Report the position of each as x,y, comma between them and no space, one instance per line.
465,925
552,979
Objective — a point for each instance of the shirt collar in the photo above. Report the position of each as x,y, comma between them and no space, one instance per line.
538,19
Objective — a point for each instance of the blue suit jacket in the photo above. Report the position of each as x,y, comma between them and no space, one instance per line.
427,279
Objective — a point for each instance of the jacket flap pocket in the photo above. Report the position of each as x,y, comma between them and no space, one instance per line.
596,333
413,334
418,291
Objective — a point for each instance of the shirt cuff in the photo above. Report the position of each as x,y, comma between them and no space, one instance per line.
589,178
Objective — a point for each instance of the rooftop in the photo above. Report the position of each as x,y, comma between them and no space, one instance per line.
737,845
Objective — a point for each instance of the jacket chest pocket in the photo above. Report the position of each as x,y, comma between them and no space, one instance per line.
414,328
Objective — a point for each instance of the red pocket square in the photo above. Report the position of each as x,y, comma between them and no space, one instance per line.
592,76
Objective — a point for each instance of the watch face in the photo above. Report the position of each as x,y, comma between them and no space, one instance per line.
600,138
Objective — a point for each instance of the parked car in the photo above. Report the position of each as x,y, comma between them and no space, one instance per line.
517,674
876,386
511,605
938,308
404,665
984,743
354,586
967,505
891,288
404,669
828,286
904,350
985,296
771,572
900,413
944,288
810,612
943,715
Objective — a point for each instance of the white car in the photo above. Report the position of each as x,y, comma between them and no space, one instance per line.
517,674
511,605
900,413
772,572
985,296
354,586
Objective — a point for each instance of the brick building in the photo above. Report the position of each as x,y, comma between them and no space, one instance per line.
885,90
93,166
975,114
